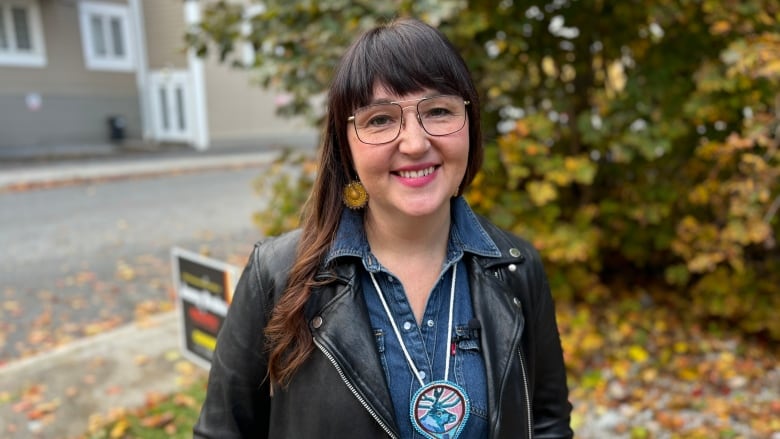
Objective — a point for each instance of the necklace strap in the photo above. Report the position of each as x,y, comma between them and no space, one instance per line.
398,332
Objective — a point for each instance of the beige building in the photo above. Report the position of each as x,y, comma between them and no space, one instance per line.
90,71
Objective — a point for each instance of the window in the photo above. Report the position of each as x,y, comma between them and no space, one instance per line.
21,34
105,36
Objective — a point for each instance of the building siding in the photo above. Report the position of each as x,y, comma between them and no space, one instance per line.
75,102
65,72
239,110
64,119
165,29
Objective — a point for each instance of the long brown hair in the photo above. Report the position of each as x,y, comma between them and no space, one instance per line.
405,56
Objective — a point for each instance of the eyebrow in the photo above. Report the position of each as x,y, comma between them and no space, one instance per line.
380,101
390,101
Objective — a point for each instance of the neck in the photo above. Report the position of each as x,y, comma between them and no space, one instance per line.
402,238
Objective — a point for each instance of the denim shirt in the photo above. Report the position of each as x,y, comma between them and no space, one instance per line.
426,344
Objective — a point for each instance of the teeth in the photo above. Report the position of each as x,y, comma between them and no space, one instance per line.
416,174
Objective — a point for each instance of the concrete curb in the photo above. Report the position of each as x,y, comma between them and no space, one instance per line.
69,172
53,395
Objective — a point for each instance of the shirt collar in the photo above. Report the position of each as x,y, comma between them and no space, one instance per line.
466,236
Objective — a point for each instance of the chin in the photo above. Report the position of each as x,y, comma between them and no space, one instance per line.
423,208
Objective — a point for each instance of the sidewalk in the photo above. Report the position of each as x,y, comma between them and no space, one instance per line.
53,395
34,167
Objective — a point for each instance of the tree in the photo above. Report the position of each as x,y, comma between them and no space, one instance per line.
635,143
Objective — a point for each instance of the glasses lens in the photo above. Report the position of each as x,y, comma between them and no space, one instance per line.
442,115
378,123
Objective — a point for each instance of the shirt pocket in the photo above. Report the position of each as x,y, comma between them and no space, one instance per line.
469,369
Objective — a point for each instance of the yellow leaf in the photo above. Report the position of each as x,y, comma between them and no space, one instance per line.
758,231
680,347
125,272
616,76
649,375
720,27
638,354
621,369
688,374
577,420
591,342
541,192
770,70
705,262
184,367
12,306
548,66
119,429
560,177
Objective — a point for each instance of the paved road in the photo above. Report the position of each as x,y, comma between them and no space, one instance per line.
80,259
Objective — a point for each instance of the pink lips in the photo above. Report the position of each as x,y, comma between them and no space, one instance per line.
417,177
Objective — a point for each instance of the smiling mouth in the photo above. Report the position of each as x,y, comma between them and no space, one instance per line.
418,173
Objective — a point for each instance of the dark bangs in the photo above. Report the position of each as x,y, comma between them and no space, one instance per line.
404,56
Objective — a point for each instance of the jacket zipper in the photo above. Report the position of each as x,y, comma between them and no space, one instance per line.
354,392
527,397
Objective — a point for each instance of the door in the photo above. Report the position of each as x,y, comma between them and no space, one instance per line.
171,100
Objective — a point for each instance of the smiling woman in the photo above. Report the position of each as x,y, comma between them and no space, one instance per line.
405,315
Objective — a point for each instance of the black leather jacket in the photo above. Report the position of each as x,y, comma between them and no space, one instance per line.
340,391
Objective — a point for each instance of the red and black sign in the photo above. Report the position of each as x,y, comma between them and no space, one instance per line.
204,287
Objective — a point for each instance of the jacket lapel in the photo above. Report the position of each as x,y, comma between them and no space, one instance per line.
502,326
345,332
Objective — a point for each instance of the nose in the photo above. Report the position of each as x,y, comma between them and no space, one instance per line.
413,139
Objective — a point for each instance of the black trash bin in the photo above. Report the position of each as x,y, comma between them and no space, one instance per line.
116,128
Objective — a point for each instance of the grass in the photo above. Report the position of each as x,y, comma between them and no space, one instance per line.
163,416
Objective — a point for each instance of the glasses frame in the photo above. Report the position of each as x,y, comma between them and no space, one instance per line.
416,107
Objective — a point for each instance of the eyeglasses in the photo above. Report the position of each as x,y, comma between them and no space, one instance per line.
376,124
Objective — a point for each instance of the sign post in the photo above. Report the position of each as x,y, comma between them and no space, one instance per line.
204,289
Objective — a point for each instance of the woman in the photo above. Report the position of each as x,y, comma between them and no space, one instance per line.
395,311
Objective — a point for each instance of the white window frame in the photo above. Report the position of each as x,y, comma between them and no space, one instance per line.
110,61
12,56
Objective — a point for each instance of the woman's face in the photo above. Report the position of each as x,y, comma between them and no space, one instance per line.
416,174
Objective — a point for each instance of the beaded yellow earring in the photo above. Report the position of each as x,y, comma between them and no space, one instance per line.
355,195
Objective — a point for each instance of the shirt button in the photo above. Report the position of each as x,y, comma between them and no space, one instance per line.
422,375
407,326
390,278
514,252
430,323
316,322
512,267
